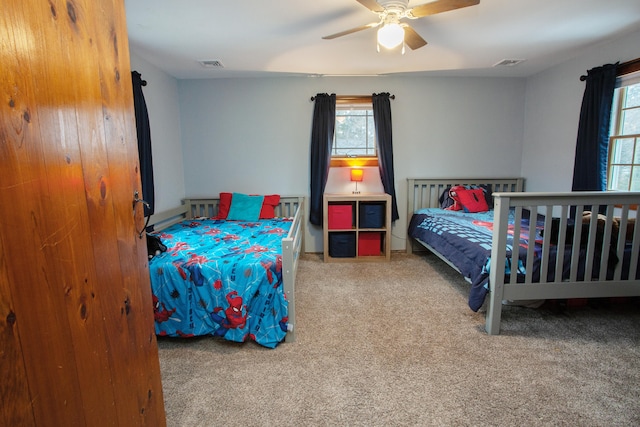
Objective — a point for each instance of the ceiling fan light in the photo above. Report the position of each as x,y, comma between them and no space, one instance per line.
390,35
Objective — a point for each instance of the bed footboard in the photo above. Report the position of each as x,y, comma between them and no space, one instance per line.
587,270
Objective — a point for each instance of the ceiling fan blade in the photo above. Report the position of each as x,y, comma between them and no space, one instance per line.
439,6
412,38
352,30
372,5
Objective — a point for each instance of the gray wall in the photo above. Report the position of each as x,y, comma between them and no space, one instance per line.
252,135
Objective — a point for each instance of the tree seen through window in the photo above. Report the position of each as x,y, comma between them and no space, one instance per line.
354,132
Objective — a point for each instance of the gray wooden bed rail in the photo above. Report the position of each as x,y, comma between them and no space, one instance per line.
292,243
619,217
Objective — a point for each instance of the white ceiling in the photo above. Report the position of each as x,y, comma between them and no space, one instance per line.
284,37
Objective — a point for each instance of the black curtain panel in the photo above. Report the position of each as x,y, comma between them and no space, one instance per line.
324,123
144,143
382,118
590,168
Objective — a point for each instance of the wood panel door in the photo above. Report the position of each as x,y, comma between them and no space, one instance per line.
76,318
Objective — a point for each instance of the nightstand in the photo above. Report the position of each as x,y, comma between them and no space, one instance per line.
357,227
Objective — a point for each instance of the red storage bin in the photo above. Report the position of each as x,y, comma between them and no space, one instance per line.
369,244
340,216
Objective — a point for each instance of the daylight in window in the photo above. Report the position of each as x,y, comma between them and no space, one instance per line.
624,142
355,131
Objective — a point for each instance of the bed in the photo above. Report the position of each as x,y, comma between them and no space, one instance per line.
230,274
569,244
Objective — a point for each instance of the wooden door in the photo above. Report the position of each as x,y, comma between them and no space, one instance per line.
76,319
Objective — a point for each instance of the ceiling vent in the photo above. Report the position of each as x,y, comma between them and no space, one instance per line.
508,62
211,64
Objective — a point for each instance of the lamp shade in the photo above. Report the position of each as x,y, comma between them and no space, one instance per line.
357,174
390,35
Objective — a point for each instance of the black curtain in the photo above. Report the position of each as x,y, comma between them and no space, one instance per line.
590,168
144,142
324,123
382,119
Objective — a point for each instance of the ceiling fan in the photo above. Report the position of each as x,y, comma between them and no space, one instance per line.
390,12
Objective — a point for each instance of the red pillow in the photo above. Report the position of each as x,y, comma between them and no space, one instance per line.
471,199
224,206
268,206
266,212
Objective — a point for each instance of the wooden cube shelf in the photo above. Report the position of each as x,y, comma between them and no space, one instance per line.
357,227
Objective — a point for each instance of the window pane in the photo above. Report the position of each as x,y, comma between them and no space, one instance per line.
354,133
620,178
636,155
371,136
350,131
635,182
633,96
622,151
630,122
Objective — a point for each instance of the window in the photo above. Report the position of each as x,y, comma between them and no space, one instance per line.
355,134
624,141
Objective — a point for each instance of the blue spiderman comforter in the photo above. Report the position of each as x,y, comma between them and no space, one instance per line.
221,278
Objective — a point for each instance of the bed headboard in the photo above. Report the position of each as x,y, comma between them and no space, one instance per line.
209,207
194,208
425,192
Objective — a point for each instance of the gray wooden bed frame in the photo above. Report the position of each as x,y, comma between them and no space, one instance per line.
292,243
508,194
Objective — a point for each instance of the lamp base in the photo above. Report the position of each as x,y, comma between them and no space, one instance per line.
356,191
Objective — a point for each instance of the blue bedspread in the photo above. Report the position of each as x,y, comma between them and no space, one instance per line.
465,240
221,278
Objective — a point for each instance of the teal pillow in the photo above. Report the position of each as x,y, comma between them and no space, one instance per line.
245,207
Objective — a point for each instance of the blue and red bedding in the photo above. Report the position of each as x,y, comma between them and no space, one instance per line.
464,239
221,278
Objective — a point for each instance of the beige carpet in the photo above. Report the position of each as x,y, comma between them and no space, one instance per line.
394,344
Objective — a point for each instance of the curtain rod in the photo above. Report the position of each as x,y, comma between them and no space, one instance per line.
347,97
624,68
142,81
